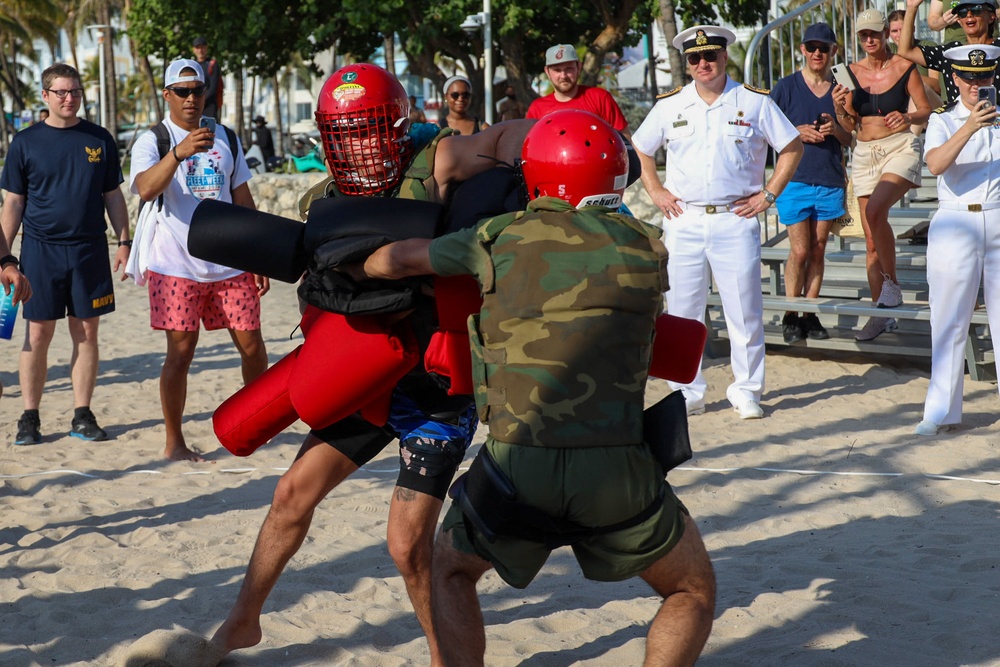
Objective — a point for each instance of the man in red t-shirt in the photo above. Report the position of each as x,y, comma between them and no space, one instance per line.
563,69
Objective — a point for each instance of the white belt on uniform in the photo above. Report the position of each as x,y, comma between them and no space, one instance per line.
973,208
710,209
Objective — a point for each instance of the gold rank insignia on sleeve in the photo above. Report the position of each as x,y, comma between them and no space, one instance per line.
669,93
761,91
943,109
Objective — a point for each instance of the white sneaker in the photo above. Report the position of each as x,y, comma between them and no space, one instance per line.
927,427
892,295
875,327
750,410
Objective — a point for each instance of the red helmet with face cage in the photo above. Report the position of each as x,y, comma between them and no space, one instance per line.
575,156
363,115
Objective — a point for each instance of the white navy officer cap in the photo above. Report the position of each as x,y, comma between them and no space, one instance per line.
973,61
703,38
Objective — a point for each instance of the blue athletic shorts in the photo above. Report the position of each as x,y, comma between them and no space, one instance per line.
801,201
431,447
71,279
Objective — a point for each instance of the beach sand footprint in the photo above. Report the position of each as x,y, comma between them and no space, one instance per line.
170,648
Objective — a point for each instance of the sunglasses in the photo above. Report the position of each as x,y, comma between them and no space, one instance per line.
459,96
974,10
813,47
707,56
75,93
185,93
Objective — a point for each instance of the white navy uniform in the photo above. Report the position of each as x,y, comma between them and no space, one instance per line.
716,155
962,244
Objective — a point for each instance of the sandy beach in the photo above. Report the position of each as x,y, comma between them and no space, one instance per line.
838,537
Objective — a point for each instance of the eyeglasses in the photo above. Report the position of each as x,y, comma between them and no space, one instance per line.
75,93
813,47
974,10
184,93
707,56
458,96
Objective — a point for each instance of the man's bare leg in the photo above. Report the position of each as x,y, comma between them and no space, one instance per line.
685,579
173,392
85,360
34,365
458,618
253,353
412,521
317,471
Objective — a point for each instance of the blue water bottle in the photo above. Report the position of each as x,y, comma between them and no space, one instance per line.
8,313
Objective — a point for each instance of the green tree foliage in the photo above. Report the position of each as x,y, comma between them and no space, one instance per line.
739,13
262,35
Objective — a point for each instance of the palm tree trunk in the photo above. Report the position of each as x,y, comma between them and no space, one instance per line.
151,95
240,124
110,80
668,26
389,49
279,149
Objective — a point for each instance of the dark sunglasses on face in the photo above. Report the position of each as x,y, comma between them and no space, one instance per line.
707,56
974,10
812,47
184,93
459,96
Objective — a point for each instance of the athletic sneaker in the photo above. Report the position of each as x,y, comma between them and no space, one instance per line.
891,296
28,430
812,328
85,427
927,427
791,328
875,327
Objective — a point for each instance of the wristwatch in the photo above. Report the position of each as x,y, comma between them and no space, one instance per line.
127,243
768,195
9,259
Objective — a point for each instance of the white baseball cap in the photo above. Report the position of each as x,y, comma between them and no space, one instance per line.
174,72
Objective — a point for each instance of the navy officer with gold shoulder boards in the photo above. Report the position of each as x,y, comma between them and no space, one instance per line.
716,133
962,148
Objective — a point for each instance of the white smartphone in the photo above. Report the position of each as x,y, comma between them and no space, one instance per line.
842,76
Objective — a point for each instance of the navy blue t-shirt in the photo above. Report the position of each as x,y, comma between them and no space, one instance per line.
821,163
64,173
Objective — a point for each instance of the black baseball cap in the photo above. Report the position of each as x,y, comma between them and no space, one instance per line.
199,41
819,32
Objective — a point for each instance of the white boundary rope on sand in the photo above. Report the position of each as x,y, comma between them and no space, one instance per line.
393,470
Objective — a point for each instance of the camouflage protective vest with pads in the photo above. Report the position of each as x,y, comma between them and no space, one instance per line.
561,347
413,185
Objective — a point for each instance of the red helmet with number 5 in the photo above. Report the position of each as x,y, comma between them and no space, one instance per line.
575,156
363,115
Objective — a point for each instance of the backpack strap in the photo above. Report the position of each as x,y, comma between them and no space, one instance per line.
162,147
231,138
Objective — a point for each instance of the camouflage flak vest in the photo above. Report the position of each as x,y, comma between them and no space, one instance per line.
561,347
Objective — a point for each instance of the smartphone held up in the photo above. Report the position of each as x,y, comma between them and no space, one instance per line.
207,122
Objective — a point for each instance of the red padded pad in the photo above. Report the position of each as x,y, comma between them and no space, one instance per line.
448,352
346,363
258,411
677,348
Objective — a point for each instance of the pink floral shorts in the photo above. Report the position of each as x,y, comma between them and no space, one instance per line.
179,304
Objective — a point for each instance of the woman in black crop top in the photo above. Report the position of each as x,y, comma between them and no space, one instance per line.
886,160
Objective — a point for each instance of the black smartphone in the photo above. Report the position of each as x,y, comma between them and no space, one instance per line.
819,122
988,93
207,122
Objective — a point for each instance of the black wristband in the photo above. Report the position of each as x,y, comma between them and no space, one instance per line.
176,156
127,244
9,259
